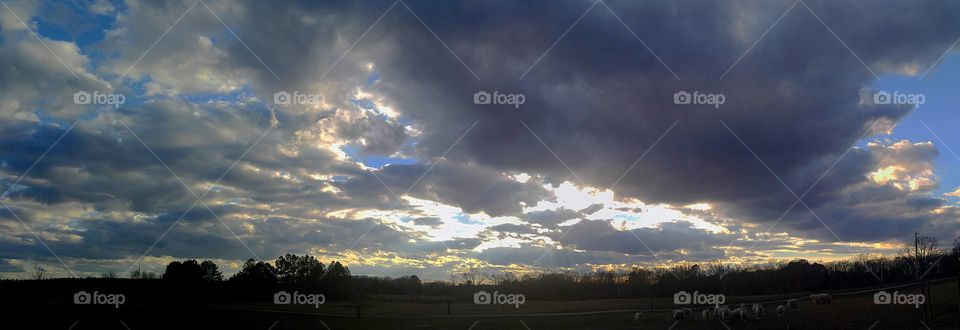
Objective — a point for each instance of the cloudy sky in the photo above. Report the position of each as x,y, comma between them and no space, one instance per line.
133,133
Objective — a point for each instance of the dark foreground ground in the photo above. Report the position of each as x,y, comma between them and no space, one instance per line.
848,311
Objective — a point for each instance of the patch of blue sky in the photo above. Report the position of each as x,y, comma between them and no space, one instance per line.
375,161
465,219
619,216
405,121
74,22
365,104
45,120
52,30
373,78
211,97
939,112
381,161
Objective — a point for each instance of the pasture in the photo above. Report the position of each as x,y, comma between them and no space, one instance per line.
847,311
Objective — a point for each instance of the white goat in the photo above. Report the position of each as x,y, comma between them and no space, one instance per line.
637,317
793,303
740,314
781,310
726,312
757,310
677,314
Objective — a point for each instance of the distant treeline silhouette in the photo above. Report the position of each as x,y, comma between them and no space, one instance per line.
922,259
288,272
258,280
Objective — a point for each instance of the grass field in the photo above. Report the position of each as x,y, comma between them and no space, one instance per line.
853,311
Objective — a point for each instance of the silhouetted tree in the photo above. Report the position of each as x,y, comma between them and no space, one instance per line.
188,270
192,271
256,273
337,281
297,270
337,271
210,272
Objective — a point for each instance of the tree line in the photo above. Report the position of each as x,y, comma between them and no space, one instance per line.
924,258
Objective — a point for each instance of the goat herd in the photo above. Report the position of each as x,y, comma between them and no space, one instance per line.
741,313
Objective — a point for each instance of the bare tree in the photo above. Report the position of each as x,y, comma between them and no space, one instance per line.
38,273
924,254
472,276
717,269
143,275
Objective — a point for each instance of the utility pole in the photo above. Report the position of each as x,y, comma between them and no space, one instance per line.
916,256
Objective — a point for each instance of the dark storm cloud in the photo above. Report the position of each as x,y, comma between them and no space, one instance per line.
470,187
551,218
513,228
600,235
200,235
432,222
106,239
8,266
598,100
541,257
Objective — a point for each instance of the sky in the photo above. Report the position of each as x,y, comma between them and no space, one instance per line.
431,138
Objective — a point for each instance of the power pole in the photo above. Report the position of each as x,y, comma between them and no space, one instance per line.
916,256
